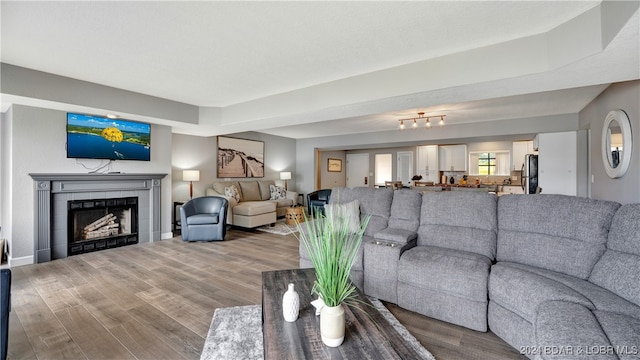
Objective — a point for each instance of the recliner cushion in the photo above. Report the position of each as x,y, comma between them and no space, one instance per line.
521,291
464,221
566,326
561,233
622,331
463,274
405,210
600,298
617,270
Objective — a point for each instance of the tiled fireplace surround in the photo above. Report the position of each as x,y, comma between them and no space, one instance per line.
53,191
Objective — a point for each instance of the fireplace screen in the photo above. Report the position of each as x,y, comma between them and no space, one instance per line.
102,223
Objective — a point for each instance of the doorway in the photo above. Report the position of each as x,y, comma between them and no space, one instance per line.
405,167
358,170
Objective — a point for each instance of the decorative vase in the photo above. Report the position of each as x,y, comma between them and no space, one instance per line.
332,325
290,304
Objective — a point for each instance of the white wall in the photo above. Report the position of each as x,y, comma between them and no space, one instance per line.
38,138
557,165
196,153
329,180
5,173
625,96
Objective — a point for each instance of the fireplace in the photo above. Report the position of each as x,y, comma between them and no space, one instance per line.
101,224
134,200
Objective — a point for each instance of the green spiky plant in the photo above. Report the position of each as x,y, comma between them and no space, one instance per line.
332,249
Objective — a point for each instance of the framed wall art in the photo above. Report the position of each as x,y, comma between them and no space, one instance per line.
240,158
334,165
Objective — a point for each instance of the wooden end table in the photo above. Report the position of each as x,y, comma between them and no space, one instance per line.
368,335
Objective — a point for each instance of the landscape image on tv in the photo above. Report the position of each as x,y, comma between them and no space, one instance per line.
95,137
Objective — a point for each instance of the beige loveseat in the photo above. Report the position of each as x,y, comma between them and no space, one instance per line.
253,205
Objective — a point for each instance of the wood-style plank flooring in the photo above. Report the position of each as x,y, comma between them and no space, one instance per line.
156,301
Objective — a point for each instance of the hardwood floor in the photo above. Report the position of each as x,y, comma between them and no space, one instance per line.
156,301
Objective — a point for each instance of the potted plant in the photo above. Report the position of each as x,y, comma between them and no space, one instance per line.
332,242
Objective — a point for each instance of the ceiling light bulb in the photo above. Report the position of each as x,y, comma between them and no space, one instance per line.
428,124
441,123
401,124
415,124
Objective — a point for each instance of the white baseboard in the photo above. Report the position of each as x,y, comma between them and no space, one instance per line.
167,235
25,260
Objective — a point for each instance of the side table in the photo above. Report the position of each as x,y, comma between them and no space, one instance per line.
294,214
176,221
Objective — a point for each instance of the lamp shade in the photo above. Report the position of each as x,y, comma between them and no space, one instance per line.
285,175
191,175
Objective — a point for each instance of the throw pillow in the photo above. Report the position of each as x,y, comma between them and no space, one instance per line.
349,212
277,192
232,192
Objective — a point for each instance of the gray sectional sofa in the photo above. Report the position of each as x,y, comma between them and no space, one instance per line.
554,276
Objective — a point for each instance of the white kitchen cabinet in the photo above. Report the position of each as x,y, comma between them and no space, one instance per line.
427,163
520,149
557,163
453,157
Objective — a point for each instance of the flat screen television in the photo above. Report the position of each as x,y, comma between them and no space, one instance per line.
96,137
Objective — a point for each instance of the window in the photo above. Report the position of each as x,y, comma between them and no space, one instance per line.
383,164
489,163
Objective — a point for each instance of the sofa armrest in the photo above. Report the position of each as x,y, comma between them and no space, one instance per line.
212,192
396,236
292,195
381,260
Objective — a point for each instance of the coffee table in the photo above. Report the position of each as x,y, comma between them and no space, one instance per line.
368,335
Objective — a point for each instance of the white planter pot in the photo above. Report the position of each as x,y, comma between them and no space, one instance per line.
332,325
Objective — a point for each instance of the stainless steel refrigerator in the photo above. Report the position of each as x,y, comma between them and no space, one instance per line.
529,179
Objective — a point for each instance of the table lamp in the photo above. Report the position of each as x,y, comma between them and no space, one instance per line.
285,175
191,176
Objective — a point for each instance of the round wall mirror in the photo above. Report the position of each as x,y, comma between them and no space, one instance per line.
617,143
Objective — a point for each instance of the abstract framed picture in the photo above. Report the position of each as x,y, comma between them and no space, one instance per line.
240,158
334,165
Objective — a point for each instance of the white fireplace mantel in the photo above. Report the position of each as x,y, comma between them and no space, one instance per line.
52,191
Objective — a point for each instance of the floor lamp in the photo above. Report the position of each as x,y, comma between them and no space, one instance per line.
191,176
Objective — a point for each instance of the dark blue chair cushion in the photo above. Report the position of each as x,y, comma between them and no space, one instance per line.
201,219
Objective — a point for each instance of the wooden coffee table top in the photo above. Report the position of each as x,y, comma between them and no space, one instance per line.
368,335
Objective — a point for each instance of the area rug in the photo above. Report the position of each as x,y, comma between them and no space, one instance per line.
236,333
280,228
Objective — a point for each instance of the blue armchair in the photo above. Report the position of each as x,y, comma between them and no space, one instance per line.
204,218
5,308
317,199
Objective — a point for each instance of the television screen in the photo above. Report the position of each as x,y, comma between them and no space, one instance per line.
96,137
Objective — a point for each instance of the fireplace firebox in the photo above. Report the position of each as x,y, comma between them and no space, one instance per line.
101,224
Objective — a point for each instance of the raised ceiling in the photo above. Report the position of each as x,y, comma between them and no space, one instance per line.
308,69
